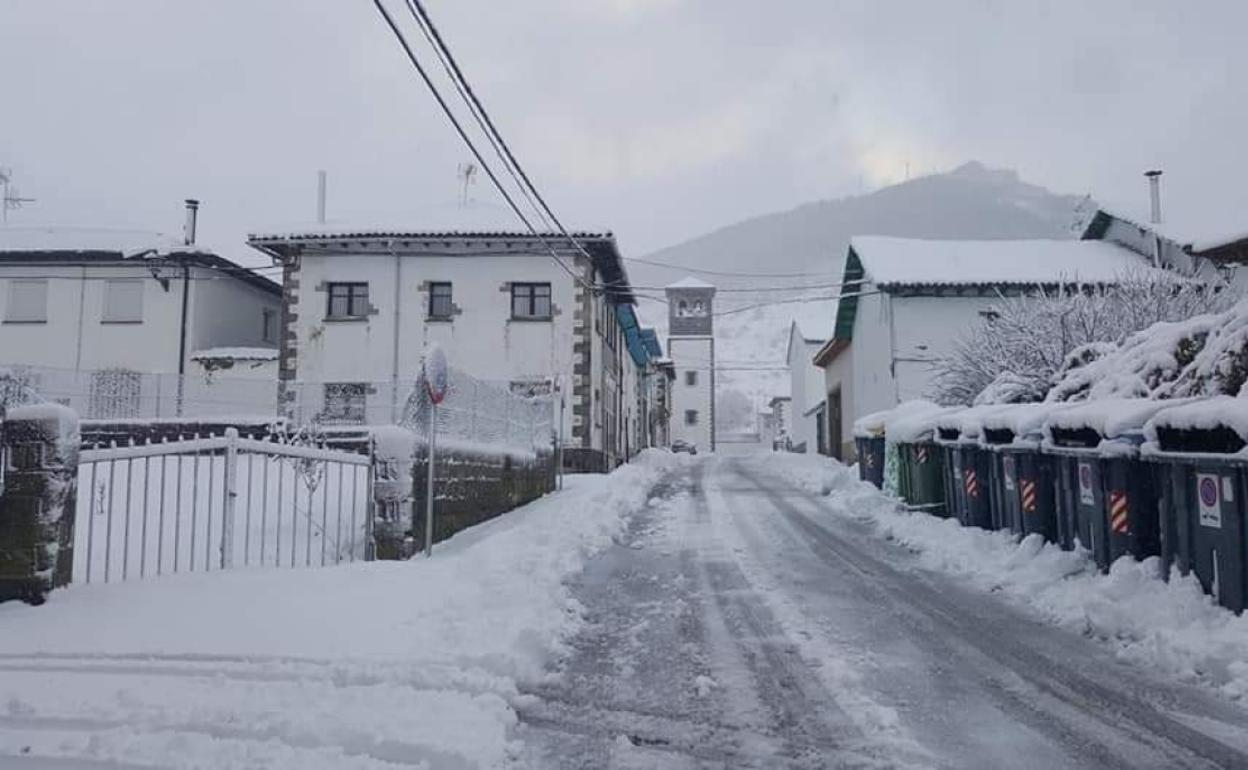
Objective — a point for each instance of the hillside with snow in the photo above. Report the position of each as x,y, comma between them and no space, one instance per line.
805,247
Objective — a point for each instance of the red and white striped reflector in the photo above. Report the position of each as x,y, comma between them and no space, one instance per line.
1119,512
1029,496
972,483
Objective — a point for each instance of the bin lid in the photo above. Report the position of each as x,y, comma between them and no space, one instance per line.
1018,424
1214,426
871,425
1109,418
917,424
968,422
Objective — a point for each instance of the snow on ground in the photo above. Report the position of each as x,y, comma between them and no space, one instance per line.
358,665
1171,627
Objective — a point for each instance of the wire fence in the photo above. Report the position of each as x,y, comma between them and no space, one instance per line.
518,415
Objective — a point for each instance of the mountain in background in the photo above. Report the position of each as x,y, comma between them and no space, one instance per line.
970,202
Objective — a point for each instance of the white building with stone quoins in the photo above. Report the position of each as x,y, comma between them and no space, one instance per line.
361,305
691,347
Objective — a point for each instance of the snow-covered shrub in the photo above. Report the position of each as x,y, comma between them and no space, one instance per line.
1015,354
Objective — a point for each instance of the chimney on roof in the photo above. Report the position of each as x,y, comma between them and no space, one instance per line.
1154,192
192,219
321,182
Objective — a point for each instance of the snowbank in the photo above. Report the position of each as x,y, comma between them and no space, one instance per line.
1168,626
442,643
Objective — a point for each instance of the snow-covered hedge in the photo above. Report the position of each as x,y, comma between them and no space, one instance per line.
1015,354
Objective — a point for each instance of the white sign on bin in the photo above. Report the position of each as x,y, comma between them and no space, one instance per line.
437,376
1209,496
1085,484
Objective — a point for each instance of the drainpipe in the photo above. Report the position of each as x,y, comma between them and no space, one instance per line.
192,221
1154,214
394,364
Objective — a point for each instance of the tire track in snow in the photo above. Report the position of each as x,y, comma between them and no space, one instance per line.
1111,722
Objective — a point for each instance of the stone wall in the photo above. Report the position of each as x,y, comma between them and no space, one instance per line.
474,487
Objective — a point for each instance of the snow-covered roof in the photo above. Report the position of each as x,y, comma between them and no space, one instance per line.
477,219
1195,231
86,239
236,354
689,282
908,261
814,321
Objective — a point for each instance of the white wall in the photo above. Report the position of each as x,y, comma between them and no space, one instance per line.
230,313
692,353
482,339
806,390
840,373
910,332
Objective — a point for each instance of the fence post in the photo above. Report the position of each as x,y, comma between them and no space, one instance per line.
37,504
230,475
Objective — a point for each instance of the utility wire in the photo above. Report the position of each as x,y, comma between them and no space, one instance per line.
463,135
486,123
703,271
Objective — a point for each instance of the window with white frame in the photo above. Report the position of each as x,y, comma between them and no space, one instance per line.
123,301
27,301
691,377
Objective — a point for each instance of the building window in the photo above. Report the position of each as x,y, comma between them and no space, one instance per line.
691,377
530,301
345,402
268,325
28,302
348,300
440,305
691,417
123,301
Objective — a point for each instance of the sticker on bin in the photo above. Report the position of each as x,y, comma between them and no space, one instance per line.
1119,512
1085,484
1210,502
921,451
1007,467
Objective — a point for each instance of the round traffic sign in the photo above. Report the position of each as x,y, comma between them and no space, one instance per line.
437,377
1208,492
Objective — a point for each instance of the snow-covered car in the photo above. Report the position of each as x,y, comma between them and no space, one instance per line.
684,446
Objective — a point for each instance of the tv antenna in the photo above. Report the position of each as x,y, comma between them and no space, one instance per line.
467,174
12,199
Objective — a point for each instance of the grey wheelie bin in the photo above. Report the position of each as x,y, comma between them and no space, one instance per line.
1023,475
869,443
921,478
1107,496
969,467
1201,453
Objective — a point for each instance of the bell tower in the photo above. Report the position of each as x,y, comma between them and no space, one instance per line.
691,346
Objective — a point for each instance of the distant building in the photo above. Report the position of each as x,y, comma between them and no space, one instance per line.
111,322
806,383
363,304
1207,251
905,301
691,346
781,409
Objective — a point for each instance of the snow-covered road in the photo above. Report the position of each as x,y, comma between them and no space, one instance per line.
706,612
741,623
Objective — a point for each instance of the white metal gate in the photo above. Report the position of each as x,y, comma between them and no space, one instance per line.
216,503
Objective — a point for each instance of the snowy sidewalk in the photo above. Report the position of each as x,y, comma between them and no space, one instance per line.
359,666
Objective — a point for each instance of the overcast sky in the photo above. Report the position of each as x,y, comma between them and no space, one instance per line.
660,119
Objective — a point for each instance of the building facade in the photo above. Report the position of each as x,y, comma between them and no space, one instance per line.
906,301
691,347
362,306
109,322
805,387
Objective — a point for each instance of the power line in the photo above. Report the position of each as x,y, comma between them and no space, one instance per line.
463,135
704,271
489,126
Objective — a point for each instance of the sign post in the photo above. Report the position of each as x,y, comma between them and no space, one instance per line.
436,381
